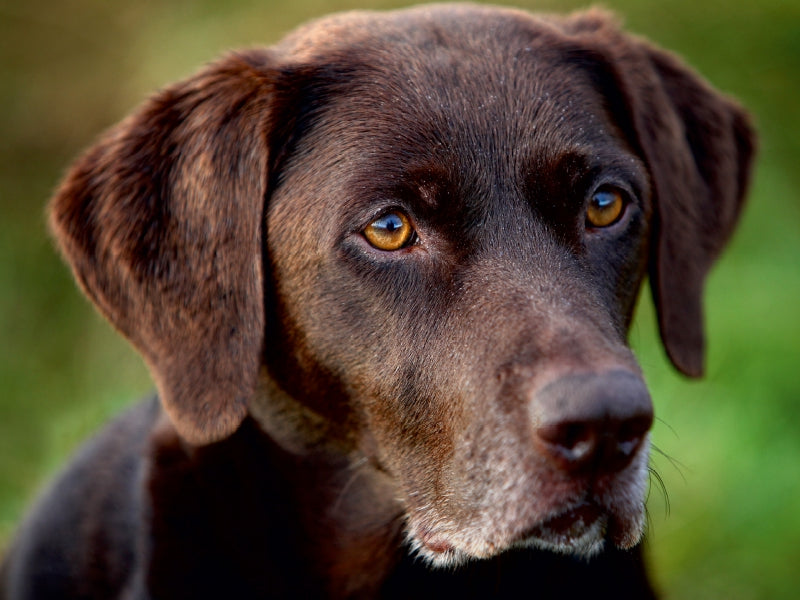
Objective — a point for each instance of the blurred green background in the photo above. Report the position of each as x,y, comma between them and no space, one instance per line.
731,529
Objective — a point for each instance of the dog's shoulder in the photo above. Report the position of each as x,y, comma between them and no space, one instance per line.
86,521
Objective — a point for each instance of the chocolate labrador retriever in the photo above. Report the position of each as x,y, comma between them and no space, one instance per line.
382,274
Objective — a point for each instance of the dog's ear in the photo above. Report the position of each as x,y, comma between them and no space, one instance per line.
699,146
162,221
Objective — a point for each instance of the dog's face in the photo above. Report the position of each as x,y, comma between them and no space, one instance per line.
446,268
428,229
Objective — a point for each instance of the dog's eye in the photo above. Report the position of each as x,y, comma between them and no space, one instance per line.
391,231
605,207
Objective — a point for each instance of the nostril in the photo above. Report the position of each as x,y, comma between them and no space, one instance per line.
627,447
637,425
603,444
635,428
631,433
564,434
569,444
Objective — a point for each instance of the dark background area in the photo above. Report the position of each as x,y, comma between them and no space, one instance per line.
731,526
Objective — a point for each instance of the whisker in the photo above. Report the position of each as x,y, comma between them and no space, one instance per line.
676,464
654,475
668,426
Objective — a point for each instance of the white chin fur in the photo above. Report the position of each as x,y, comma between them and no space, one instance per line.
584,543
621,521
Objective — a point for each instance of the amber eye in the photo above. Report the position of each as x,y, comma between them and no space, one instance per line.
605,208
391,231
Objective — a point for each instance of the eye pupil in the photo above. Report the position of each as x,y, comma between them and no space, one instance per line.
391,231
390,222
604,199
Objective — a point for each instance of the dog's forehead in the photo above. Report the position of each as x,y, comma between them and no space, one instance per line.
464,24
454,56
460,83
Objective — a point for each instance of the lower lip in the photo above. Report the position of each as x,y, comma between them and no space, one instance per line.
434,543
582,515
571,524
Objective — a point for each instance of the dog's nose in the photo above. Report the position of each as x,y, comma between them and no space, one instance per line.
592,421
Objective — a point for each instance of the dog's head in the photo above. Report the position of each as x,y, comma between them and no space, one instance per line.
427,229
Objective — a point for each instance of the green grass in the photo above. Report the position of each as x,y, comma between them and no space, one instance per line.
734,530
68,70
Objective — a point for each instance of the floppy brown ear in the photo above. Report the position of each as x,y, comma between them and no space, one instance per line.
161,222
699,146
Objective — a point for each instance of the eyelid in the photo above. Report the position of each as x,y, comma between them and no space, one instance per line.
629,191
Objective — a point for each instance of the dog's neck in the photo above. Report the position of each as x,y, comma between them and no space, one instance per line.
348,498
296,428
318,498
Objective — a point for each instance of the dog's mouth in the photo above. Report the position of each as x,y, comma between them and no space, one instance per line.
566,513
580,530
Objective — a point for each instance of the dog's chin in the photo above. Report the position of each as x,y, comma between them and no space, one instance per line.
580,531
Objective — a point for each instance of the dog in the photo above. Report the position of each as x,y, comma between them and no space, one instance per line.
382,274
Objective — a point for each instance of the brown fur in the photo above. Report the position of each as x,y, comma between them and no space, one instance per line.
327,405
